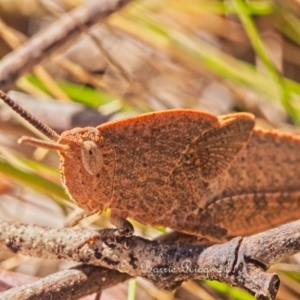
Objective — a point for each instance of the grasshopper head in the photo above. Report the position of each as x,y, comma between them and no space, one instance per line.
87,161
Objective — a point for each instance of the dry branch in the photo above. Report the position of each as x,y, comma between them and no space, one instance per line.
49,40
67,284
240,262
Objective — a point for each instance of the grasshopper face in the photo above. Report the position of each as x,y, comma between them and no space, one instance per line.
87,168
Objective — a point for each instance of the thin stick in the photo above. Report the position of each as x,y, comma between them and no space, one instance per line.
43,44
68,284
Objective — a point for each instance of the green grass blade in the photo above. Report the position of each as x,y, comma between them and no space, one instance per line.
250,28
33,181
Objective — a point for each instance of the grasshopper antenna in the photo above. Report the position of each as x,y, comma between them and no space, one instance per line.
43,128
47,131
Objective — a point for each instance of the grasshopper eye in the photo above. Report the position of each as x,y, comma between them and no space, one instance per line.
92,158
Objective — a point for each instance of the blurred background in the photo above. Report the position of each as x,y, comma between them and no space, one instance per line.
215,56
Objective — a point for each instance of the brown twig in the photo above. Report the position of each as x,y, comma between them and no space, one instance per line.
240,262
49,40
67,284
